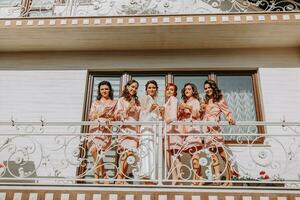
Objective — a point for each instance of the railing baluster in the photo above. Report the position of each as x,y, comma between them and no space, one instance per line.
160,153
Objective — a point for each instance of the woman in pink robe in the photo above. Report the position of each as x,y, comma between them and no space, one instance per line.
175,141
189,110
214,105
99,139
127,109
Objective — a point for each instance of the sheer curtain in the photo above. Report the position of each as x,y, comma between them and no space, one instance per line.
238,92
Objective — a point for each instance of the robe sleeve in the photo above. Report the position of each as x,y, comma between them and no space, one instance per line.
172,114
146,104
93,111
196,110
120,113
224,108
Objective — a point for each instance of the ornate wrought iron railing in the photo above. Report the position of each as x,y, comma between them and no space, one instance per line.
181,153
52,8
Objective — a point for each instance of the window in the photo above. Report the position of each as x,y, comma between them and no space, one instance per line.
239,88
239,93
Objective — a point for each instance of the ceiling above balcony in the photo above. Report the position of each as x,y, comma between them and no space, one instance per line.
151,32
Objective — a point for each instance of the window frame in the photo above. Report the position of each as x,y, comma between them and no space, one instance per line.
169,78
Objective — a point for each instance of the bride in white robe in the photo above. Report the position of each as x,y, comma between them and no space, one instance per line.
149,112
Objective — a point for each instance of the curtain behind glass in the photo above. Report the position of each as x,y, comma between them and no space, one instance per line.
238,92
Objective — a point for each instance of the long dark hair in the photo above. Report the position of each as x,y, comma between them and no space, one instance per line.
126,94
111,92
217,93
151,82
195,92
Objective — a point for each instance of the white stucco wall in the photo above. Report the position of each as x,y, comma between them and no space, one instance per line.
54,95
280,93
280,90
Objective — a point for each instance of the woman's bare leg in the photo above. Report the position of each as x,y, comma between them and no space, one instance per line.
196,169
123,166
97,167
228,168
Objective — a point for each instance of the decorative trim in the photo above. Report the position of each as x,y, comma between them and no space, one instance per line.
63,21
86,22
97,21
274,17
286,17
41,22
143,20
201,19
146,197
74,21
166,20
131,20
249,18
52,22
225,18
237,18
261,18
154,20
108,21
189,19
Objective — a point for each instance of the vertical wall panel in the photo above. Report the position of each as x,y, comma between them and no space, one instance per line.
281,93
281,100
55,95
28,95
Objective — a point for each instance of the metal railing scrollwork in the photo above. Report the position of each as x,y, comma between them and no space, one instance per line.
177,154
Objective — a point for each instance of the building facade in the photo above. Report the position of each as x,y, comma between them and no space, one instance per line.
54,53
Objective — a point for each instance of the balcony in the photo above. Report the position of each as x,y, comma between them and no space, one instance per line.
68,8
45,157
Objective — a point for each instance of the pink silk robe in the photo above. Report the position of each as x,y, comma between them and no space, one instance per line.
170,115
213,111
192,142
95,138
130,141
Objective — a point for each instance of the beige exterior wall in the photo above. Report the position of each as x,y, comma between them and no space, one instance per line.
223,59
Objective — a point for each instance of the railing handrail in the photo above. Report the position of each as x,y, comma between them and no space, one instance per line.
95,123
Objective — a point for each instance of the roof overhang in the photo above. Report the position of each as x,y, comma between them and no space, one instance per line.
251,30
